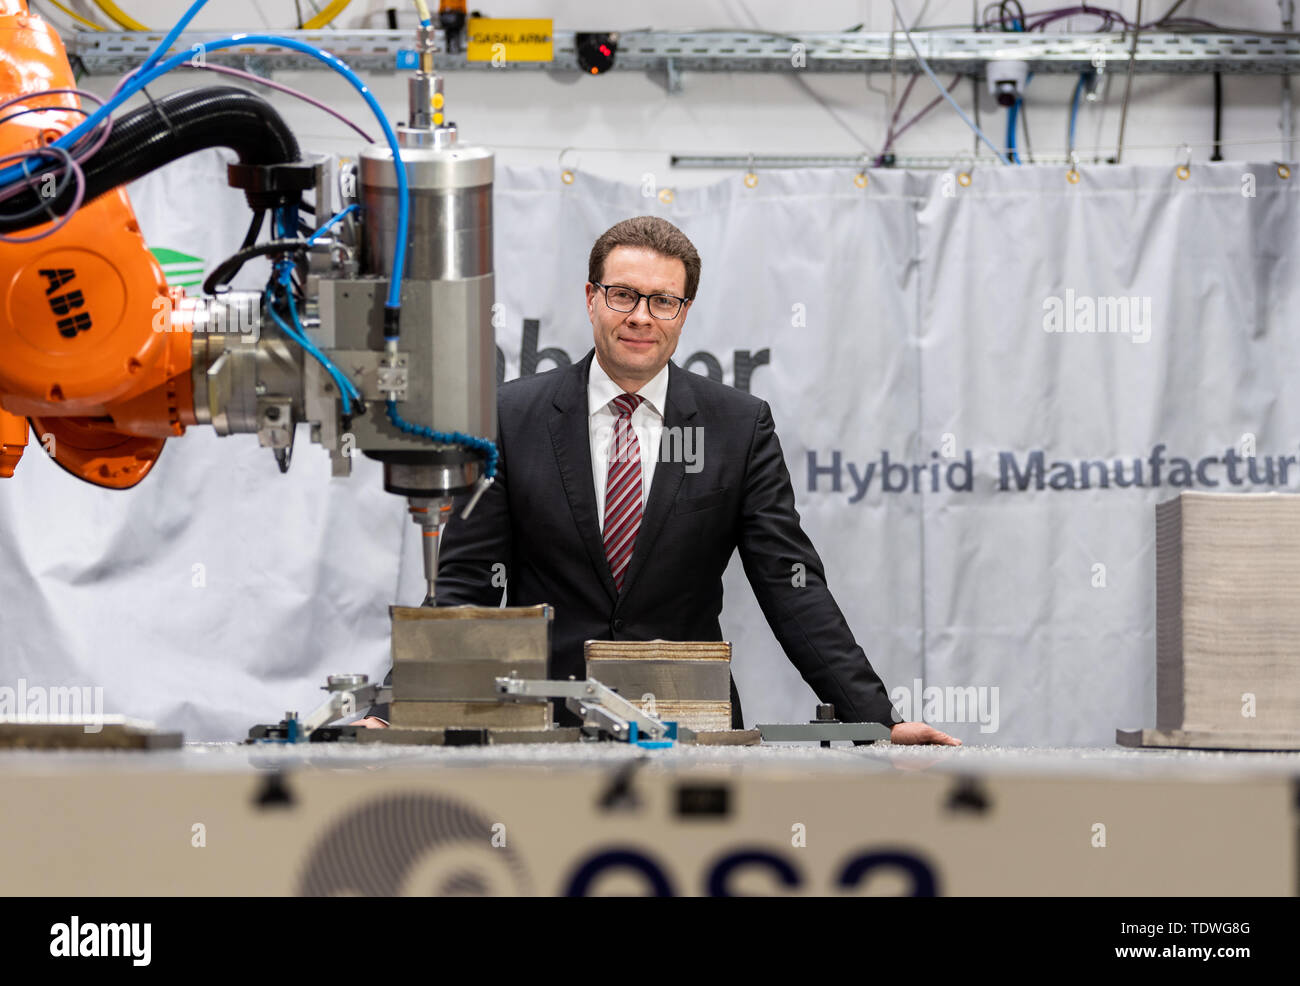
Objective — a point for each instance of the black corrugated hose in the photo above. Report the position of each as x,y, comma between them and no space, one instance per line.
169,128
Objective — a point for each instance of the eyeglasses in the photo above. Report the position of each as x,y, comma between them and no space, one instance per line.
622,299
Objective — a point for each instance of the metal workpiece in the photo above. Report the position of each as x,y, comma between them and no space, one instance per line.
456,679
518,636
666,680
446,661
500,717
687,682
111,732
694,693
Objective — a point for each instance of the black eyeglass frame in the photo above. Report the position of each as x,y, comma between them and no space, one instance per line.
639,296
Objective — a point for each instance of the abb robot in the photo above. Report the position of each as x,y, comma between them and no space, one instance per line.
101,362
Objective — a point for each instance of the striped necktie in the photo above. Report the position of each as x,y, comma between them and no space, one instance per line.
623,489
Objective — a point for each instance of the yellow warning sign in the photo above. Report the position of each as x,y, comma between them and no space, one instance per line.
501,40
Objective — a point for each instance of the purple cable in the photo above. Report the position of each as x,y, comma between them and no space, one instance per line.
79,156
898,111
61,221
1048,16
920,113
98,138
83,93
1041,18
249,76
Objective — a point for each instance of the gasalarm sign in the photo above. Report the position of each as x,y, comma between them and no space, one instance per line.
501,40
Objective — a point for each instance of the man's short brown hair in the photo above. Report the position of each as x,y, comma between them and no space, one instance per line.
652,233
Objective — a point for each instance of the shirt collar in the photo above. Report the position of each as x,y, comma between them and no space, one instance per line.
601,389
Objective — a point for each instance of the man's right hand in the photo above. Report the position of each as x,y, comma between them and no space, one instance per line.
920,733
370,722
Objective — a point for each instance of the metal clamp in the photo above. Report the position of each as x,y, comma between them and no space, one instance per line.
601,708
347,694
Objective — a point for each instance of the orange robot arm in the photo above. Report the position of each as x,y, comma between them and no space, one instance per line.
85,348
13,439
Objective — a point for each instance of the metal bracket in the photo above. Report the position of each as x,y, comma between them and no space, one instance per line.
275,423
392,376
260,67
963,51
807,732
672,77
373,373
324,421
600,707
348,693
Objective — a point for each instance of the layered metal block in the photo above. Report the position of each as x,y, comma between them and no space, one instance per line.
684,682
446,660
1227,622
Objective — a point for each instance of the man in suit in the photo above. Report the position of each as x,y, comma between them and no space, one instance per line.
626,483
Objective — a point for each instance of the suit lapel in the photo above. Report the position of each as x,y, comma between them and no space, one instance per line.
679,411
571,439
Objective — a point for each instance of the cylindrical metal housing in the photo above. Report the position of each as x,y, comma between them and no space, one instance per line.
451,211
448,293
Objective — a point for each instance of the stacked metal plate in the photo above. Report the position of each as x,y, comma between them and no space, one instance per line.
446,660
684,682
1227,623
55,732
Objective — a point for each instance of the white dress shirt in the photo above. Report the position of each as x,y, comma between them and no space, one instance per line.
647,423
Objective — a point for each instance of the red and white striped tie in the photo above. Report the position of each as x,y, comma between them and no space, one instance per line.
623,489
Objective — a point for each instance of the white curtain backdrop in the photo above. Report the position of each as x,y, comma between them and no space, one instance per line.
904,334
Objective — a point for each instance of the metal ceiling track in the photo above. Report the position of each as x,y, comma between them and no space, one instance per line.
741,51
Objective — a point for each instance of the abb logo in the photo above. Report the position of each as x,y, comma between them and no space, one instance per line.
66,304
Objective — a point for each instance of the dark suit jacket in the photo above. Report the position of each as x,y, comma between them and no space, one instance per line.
539,519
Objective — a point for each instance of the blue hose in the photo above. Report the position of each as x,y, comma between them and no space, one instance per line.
142,77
